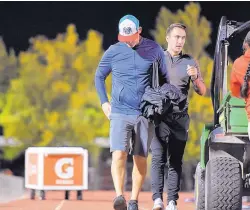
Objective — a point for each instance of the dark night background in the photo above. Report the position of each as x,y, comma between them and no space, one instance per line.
20,21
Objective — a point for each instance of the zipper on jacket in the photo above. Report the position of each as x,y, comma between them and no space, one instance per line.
136,77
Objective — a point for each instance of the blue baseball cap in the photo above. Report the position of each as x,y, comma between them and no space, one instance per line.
128,28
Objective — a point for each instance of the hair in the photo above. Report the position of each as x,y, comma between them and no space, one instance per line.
245,86
175,25
246,42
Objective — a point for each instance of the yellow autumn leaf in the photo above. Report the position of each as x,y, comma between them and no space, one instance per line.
93,43
47,137
76,100
60,86
53,118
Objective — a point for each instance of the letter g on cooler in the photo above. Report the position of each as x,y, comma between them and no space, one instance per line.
64,168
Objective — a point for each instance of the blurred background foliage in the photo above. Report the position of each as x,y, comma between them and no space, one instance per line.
47,93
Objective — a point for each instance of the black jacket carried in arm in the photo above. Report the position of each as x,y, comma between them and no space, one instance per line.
159,100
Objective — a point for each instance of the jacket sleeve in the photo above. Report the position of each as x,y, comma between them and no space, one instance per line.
234,83
163,66
198,83
102,71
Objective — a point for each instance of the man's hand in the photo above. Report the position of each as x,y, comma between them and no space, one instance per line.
106,107
192,72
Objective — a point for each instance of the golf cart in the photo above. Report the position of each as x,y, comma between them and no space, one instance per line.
222,175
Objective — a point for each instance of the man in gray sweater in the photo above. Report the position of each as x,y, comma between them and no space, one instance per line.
182,70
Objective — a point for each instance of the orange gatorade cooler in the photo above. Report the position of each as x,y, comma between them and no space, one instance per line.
56,168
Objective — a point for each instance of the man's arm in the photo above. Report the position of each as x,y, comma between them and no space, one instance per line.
102,71
198,83
234,84
164,77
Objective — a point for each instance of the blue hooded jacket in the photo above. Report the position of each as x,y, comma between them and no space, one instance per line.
131,74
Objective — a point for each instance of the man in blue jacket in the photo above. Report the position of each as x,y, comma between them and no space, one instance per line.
130,62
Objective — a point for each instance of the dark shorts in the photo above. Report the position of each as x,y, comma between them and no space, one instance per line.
130,133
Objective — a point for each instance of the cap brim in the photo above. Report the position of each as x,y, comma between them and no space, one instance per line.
127,38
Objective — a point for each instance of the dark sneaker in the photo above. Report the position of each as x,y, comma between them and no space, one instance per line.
133,205
120,203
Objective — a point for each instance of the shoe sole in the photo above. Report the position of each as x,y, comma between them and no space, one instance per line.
120,205
158,208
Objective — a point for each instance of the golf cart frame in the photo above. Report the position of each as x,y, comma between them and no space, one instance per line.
222,176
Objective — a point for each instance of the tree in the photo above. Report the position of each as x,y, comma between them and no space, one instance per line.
54,101
8,70
198,37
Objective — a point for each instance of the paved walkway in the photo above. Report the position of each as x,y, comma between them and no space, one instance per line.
92,200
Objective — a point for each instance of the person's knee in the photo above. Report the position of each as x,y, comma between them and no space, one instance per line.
140,159
119,156
158,161
159,156
156,151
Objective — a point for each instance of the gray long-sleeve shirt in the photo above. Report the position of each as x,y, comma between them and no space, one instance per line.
177,71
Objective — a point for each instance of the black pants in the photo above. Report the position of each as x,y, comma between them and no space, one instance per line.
168,146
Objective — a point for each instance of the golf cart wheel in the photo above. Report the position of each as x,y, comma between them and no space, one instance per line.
67,195
32,194
79,195
223,184
199,188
